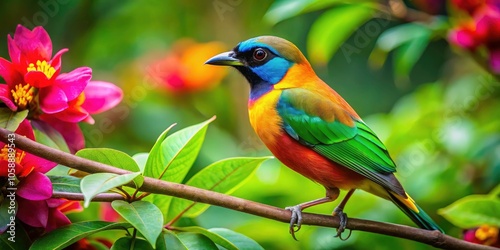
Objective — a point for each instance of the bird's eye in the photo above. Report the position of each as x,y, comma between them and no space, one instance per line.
259,54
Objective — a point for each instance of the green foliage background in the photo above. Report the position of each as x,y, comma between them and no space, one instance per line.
439,118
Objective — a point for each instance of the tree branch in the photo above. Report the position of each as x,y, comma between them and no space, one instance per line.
106,197
433,238
398,9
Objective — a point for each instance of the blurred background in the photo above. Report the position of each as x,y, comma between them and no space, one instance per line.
434,106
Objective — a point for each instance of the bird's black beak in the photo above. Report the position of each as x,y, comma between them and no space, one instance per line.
225,59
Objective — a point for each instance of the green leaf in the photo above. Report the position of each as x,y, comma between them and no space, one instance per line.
399,35
223,176
473,211
408,54
156,159
241,241
141,159
110,157
49,136
97,245
284,9
334,27
11,120
125,243
60,170
214,237
315,5
495,193
281,10
94,184
20,240
7,210
167,238
66,183
67,235
177,154
113,158
144,216
194,241
409,41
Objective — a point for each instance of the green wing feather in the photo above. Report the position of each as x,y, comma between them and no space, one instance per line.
334,133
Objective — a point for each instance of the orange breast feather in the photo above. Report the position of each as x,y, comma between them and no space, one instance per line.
267,123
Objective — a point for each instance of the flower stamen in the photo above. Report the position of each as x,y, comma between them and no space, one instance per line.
43,67
488,234
78,102
22,95
4,155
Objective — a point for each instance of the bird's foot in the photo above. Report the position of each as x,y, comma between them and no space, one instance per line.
343,223
295,220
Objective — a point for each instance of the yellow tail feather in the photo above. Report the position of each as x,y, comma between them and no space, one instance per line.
409,202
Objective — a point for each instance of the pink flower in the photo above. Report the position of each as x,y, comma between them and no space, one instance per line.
107,213
50,213
484,235
33,68
35,207
97,97
488,26
182,70
25,163
465,36
483,30
34,82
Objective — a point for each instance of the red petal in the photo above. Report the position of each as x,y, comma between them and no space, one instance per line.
41,165
33,213
55,202
463,38
74,82
56,219
14,51
26,129
53,99
70,131
6,98
72,114
36,187
107,213
89,120
488,25
4,166
101,96
37,79
34,44
56,60
70,206
9,73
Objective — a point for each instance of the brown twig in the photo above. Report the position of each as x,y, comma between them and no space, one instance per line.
433,238
399,10
106,197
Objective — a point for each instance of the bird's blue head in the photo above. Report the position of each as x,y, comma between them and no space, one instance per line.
263,60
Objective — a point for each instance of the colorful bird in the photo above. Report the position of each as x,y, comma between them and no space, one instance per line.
313,130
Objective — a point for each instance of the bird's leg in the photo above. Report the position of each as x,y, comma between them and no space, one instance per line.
296,218
339,210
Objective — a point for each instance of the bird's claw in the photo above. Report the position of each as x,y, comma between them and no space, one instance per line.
295,220
343,223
